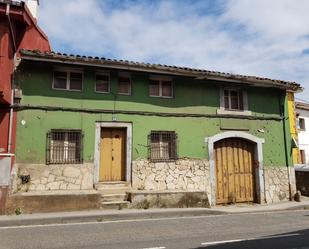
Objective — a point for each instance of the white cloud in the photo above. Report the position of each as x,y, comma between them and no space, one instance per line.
260,37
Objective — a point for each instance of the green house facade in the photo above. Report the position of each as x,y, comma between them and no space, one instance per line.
83,122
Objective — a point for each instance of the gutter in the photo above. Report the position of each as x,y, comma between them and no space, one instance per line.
282,106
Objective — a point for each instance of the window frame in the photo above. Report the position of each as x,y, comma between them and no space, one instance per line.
65,159
173,155
161,79
303,128
302,156
68,78
223,111
105,73
127,75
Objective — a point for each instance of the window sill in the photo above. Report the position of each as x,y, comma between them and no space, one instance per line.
227,112
162,97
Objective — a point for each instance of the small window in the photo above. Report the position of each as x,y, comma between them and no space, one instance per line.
162,146
60,80
302,156
67,80
301,124
161,88
102,83
124,84
233,100
154,88
64,147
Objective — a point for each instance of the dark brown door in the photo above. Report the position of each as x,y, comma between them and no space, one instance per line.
234,159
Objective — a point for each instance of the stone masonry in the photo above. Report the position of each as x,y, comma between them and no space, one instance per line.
52,177
183,174
277,184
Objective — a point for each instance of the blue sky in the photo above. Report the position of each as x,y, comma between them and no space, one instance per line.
253,37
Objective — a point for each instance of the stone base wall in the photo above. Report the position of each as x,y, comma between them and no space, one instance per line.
277,183
183,174
168,199
52,177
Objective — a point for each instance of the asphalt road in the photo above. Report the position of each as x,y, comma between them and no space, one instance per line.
286,229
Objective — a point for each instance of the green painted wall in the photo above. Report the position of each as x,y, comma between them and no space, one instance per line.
190,97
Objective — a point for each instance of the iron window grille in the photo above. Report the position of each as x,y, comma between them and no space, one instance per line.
64,147
162,146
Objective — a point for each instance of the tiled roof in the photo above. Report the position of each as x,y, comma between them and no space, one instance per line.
156,68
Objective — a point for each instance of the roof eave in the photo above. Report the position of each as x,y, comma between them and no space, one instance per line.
156,70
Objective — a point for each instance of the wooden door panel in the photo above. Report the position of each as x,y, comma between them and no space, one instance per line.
234,170
106,155
118,154
112,154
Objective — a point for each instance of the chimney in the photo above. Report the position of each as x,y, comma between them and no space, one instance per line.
33,6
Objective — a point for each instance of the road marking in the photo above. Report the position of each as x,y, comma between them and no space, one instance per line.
141,220
160,247
247,239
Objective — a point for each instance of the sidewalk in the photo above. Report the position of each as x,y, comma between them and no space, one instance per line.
129,214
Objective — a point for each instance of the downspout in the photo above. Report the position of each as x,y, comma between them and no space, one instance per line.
282,107
12,81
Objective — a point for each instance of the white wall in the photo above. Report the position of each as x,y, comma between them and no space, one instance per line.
303,136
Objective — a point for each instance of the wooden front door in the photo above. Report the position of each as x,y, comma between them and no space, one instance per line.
234,159
112,154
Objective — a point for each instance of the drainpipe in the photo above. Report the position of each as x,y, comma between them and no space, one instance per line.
12,80
282,106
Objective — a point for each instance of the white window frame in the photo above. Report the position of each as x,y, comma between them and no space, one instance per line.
109,81
68,78
223,111
160,79
128,75
298,124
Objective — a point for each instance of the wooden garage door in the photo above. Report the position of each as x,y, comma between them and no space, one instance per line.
234,160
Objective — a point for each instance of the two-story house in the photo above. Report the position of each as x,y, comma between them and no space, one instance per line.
89,123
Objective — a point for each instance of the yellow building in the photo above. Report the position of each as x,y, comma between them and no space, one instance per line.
293,125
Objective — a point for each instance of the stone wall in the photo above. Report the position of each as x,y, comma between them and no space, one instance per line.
52,177
183,174
277,183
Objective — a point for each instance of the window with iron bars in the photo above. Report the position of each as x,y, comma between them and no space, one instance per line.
162,146
64,147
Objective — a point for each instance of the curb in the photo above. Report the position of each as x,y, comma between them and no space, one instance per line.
84,218
67,218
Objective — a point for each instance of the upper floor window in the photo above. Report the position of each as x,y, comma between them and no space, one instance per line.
124,84
301,124
68,80
162,146
102,83
64,146
302,156
233,100
161,87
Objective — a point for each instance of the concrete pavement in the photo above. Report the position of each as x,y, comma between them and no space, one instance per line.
132,214
267,230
